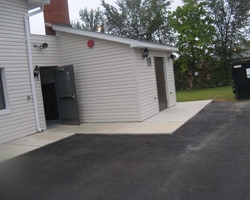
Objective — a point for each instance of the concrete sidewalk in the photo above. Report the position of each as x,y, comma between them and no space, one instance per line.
166,122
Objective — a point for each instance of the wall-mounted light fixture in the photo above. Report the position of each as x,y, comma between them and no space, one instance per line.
145,53
36,72
172,56
41,46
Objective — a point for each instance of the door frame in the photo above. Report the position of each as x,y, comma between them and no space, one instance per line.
165,81
58,108
46,120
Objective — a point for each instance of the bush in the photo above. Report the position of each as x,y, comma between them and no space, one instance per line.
208,76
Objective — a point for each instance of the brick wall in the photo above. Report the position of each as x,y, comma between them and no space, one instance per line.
57,13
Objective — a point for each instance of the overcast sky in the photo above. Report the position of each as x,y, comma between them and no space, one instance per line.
74,7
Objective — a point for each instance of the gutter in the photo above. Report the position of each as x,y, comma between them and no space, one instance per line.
30,60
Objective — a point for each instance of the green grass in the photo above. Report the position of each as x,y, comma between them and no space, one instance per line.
217,94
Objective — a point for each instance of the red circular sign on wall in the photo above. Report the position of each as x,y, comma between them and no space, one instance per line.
91,43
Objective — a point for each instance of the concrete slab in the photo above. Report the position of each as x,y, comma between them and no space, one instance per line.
8,151
183,111
166,122
121,128
40,139
30,143
132,128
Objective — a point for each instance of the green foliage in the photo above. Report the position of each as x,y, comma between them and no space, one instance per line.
231,20
195,36
211,35
210,74
90,20
139,19
217,94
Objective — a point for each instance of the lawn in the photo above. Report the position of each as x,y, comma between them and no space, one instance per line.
217,94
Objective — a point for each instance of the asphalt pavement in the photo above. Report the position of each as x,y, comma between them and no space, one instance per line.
207,158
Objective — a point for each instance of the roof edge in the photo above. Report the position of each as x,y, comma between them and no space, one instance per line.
139,44
131,42
32,4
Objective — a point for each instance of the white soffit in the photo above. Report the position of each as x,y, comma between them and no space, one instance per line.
131,42
37,3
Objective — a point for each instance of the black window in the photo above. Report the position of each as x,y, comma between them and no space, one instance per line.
2,100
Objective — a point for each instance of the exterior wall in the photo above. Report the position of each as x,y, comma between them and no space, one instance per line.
113,83
13,58
149,105
169,76
44,58
105,78
148,96
170,82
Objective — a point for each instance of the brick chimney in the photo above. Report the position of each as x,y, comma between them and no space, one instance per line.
56,13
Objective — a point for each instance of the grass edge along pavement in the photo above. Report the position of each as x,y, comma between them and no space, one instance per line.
224,93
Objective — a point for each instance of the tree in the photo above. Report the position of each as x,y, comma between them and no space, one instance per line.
155,17
139,19
231,20
90,20
195,36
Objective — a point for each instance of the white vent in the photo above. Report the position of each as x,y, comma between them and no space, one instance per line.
37,3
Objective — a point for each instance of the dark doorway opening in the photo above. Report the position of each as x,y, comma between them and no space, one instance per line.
59,96
160,80
49,96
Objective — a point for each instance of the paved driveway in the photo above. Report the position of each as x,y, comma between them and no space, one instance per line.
207,158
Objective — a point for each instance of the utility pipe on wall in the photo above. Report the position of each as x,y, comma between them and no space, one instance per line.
30,60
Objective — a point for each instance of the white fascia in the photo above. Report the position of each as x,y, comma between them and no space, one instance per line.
139,44
131,42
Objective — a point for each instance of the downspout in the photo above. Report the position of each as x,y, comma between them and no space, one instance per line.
30,60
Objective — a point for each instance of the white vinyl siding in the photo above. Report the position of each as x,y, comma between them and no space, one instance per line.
147,86
170,82
105,78
148,96
169,76
13,58
44,58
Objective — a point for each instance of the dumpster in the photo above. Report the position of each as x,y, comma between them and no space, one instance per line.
241,78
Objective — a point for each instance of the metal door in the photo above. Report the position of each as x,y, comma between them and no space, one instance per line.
66,95
160,79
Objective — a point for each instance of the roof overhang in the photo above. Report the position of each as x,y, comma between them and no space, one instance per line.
131,42
37,3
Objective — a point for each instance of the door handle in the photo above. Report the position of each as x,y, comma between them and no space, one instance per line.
74,96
